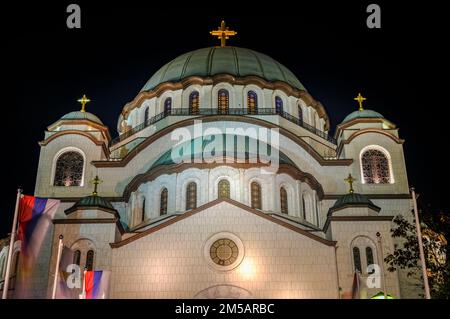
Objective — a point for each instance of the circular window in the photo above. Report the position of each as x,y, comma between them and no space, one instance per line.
224,251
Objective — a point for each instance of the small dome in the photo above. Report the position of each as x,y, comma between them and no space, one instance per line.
353,199
92,202
235,61
362,114
78,115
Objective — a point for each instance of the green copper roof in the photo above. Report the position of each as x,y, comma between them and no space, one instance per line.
78,115
353,199
362,114
217,60
187,150
91,202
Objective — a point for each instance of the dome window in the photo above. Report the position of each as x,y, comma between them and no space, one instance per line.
278,105
146,115
222,101
252,102
168,105
300,113
194,102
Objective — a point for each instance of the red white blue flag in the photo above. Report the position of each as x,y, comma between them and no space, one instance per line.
96,284
35,217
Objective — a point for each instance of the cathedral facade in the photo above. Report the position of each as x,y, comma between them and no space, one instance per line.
224,183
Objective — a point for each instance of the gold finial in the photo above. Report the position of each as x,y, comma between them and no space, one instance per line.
223,33
360,100
96,181
83,102
350,181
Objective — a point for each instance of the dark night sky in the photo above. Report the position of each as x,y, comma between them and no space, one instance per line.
47,67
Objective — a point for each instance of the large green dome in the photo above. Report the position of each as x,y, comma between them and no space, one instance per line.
227,60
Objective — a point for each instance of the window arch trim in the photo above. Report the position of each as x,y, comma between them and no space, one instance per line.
389,160
55,160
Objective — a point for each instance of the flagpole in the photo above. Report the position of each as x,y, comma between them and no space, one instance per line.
380,243
11,246
58,258
419,239
83,292
357,284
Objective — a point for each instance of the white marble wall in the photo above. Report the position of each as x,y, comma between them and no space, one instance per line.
278,262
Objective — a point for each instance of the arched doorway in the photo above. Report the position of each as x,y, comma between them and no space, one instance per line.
224,292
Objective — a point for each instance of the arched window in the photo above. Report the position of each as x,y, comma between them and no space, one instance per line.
146,115
143,211
283,200
163,202
90,260
300,113
369,257
168,105
303,207
375,167
357,259
223,189
222,101
191,196
278,105
69,169
256,195
77,257
194,102
252,102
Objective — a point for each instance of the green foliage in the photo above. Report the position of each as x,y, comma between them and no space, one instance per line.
435,230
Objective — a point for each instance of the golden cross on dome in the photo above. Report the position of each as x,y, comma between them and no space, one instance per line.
96,181
223,33
350,181
83,102
360,100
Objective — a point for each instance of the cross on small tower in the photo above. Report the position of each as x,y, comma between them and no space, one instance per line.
96,181
223,33
350,181
83,102
360,99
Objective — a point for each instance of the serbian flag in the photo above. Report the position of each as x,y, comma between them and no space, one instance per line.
35,217
96,284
